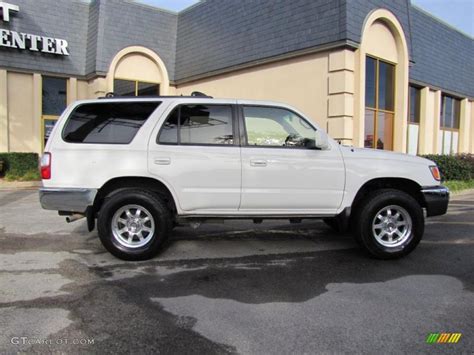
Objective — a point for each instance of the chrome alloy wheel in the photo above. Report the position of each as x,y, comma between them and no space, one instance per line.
133,226
392,226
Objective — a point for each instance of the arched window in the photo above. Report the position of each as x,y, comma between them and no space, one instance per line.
381,120
137,71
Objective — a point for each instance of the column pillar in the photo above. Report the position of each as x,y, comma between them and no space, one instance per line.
436,127
425,142
71,90
98,87
37,113
4,129
464,126
341,96
471,139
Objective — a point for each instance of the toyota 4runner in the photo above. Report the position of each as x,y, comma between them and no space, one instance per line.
139,166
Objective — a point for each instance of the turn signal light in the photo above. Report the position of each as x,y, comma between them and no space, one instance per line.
46,166
435,172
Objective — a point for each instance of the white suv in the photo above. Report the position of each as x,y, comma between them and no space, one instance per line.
141,165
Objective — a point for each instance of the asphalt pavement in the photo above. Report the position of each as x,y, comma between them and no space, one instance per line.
236,287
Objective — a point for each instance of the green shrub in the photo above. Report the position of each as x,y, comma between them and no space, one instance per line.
452,167
19,166
468,158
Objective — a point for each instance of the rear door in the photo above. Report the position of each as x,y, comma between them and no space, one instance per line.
96,141
196,151
281,172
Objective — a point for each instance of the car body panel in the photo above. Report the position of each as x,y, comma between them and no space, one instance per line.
217,180
363,165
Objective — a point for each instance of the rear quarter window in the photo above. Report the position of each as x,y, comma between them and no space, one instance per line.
108,122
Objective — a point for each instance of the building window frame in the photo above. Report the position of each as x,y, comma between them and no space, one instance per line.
48,117
137,83
416,114
376,109
453,128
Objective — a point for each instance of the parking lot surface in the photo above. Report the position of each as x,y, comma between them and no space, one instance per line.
231,288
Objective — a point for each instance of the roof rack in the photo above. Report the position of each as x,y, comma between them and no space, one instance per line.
194,95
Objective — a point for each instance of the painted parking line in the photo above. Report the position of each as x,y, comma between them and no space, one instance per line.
450,242
450,222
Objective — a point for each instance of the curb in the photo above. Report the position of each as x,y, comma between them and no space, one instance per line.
462,192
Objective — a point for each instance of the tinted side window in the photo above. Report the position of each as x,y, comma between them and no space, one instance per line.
201,124
198,124
276,127
107,123
169,130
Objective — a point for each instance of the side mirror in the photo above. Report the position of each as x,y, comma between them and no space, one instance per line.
321,141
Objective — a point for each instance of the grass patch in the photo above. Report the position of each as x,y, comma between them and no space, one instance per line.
31,175
459,185
19,166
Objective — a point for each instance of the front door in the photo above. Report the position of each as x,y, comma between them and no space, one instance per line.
281,172
196,153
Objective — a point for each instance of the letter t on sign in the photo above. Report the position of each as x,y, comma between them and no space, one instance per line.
5,9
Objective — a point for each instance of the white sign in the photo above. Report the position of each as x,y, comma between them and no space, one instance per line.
28,41
6,8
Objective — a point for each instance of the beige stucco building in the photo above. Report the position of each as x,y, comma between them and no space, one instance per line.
372,81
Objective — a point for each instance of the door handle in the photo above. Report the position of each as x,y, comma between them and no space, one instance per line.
258,163
162,161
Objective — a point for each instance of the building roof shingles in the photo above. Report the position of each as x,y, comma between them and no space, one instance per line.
220,34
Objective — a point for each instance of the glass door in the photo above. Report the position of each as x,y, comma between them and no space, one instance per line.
53,102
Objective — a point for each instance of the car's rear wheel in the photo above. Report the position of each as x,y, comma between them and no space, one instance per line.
389,223
133,224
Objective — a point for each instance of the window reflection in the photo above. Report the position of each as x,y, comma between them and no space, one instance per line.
124,87
169,131
147,89
450,112
449,124
414,114
198,124
380,104
369,129
53,103
385,130
135,88
269,126
386,86
370,67
201,124
54,96
107,123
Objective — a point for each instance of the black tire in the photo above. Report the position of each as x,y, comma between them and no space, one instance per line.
368,209
333,223
152,203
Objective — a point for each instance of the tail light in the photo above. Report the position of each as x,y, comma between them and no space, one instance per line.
46,166
435,172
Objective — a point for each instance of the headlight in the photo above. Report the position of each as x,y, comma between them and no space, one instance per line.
435,172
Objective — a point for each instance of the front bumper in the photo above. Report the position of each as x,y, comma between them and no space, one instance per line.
436,200
66,199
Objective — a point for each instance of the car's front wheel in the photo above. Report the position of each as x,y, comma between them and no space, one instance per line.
389,223
133,224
